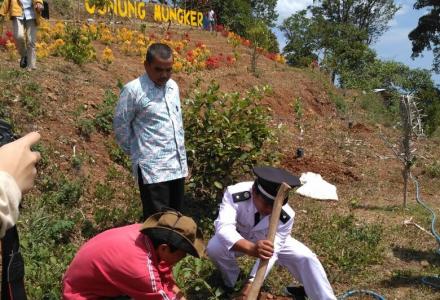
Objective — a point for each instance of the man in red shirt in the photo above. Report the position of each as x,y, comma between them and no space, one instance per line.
134,260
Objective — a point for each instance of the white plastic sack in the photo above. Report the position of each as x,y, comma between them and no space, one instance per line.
313,186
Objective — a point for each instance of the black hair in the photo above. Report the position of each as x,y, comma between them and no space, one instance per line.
157,242
258,193
267,200
158,50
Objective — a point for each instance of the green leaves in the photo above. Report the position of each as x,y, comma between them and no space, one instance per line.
77,47
225,136
426,35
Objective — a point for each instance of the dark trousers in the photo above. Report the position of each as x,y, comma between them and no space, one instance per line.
157,196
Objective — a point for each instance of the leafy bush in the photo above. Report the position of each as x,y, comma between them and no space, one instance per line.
104,192
190,274
339,101
225,136
77,47
85,127
30,95
104,118
376,111
61,191
117,155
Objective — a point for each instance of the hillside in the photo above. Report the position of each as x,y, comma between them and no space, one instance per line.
84,187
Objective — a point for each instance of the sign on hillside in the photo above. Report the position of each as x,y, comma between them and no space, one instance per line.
141,10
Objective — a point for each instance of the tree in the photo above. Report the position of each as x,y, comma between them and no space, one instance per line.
301,42
259,34
235,14
427,33
265,10
370,16
339,46
273,46
343,48
398,79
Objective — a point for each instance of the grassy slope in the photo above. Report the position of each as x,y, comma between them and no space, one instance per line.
361,239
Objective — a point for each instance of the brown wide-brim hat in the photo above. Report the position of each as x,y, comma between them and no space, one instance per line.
176,229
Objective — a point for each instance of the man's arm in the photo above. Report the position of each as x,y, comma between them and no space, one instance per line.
225,225
262,249
124,115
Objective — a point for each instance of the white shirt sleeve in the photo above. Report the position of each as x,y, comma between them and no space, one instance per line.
225,225
10,196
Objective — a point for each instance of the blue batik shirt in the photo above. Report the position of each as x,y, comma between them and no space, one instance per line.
148,126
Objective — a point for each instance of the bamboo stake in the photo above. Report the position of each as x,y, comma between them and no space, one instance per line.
273,224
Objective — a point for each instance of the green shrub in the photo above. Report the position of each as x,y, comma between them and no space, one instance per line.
226,134
61,191
339,101
192,275
376,110
106,218
85,127
61,230
104,192
30,99
104,117
117,154
77,47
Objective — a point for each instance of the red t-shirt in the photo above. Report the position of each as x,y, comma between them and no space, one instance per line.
119,261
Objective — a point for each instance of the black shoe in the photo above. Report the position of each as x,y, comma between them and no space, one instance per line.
23,62
297,292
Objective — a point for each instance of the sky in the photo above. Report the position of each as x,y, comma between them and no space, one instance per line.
393,45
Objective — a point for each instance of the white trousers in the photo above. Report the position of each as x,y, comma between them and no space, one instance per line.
25,34
301,262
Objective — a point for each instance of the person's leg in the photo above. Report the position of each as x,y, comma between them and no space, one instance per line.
225,261
177,193
303,264
154,196
18,31
31,34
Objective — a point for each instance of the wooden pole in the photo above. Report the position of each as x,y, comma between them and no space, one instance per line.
273,224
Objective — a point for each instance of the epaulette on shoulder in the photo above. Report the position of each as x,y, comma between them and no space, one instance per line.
241,196
284,217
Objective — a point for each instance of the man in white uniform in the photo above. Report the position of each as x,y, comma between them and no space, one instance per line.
242,226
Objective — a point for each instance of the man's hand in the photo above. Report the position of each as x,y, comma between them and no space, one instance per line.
19,161
39,7
263,249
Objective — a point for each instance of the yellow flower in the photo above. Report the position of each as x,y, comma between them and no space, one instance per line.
107,56
58,30
177,66
42,50
59,42
140,43
93,29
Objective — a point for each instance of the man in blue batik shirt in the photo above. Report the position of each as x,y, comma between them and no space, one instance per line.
148,126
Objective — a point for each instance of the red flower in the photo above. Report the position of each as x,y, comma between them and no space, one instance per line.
9,34
230,59
213,62
247,43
